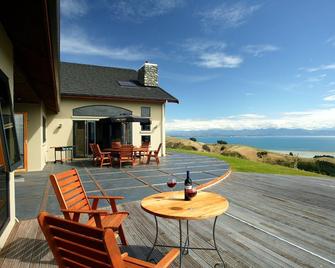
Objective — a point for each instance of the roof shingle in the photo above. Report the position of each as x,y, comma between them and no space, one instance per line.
99,81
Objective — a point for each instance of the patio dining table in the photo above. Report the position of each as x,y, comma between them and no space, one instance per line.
171,205
138,151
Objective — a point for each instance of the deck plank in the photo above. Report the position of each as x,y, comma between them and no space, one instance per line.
273,221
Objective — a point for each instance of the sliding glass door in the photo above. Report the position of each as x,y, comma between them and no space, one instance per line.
84,133
4,205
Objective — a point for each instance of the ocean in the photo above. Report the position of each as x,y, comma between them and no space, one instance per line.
307,146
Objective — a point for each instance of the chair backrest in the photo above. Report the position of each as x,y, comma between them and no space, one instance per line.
116,144
93,149
159,148
98,150
78,245
126,151
145,145
69,190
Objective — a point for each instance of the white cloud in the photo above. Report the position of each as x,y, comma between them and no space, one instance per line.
260,50
199,45
138,10
329,98
73,8
322,67
313,119
190,78
211,54
75,41
331,41
219,60
228,15
316,79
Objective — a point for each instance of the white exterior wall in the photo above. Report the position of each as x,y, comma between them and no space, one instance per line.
37,150
7,66
62,136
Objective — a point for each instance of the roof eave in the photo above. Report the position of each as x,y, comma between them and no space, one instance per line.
89,97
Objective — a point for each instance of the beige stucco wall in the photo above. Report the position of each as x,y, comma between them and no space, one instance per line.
7,66
61,136
37,150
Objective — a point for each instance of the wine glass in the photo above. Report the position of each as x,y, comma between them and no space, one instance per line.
171,183
191,192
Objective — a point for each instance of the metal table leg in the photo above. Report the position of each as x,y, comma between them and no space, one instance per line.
180,244
185,247
155,241
215,246
187,241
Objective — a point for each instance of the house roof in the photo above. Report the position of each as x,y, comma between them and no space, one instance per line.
91,81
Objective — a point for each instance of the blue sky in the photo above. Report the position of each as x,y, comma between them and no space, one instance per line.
232,64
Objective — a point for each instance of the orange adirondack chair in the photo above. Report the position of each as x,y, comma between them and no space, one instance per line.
101,158
127,155
73,202
154,154
78,245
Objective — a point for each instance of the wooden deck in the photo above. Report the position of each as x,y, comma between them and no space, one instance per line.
273,221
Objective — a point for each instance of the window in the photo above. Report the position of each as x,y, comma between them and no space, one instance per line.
145,127
8,135
9,149
145,111
44,124
146,138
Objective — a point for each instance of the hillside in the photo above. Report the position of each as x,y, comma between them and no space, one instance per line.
322,165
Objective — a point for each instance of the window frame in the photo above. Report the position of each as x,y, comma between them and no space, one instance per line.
11,166
145,136
149,109
44,129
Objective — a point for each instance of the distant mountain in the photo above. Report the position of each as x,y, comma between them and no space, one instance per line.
253,132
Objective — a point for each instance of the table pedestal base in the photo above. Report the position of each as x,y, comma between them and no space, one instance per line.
185,247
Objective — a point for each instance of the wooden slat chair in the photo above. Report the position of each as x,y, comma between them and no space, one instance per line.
102,158
73,202
94,153
143,152
78,245
127,155
154,154
116,144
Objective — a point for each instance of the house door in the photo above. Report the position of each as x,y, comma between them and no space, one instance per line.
84,133
21,124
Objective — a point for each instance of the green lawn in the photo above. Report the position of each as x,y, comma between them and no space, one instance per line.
243,165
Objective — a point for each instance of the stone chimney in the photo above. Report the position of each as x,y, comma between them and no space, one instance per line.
148,75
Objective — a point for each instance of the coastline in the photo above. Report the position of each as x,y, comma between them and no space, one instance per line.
305,154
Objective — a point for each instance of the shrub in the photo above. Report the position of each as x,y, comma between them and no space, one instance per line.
325,156
233,154
189,147
206,148
308,165
326,168
261,154
223,148
221,142
291,154
193,139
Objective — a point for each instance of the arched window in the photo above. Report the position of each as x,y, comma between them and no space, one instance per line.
100,110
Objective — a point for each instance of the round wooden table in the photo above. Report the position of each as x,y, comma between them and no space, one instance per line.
172,205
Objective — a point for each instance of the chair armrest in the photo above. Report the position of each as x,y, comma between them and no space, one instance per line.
105,197
111,199
103,212
168,258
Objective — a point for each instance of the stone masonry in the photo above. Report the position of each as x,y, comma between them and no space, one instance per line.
148,75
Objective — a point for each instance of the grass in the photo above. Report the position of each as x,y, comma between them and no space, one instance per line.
243,165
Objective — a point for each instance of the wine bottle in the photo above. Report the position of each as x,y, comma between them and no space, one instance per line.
188,185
